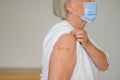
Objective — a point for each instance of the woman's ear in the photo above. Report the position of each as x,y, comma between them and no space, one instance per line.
68,6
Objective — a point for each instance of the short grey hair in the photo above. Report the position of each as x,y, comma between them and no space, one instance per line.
59,9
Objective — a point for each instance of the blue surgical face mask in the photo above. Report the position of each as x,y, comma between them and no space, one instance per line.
90,11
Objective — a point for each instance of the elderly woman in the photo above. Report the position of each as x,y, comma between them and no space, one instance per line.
68,51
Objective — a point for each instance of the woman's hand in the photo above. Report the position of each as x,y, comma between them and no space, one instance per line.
99,58
82,37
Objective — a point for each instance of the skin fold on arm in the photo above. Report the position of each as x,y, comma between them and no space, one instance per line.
63,58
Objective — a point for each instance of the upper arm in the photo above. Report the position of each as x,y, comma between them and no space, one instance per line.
63,58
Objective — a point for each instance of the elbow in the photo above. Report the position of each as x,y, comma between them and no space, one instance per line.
105,68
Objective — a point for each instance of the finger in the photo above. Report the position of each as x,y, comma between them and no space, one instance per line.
80,40
74,32
80,32
80,36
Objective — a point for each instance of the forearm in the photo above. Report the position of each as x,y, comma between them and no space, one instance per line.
98,57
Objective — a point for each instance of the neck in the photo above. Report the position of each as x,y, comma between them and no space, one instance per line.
75,21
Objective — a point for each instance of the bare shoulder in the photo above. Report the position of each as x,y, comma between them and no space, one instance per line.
62,56
66,42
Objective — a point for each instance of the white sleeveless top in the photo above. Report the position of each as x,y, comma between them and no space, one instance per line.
84,68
